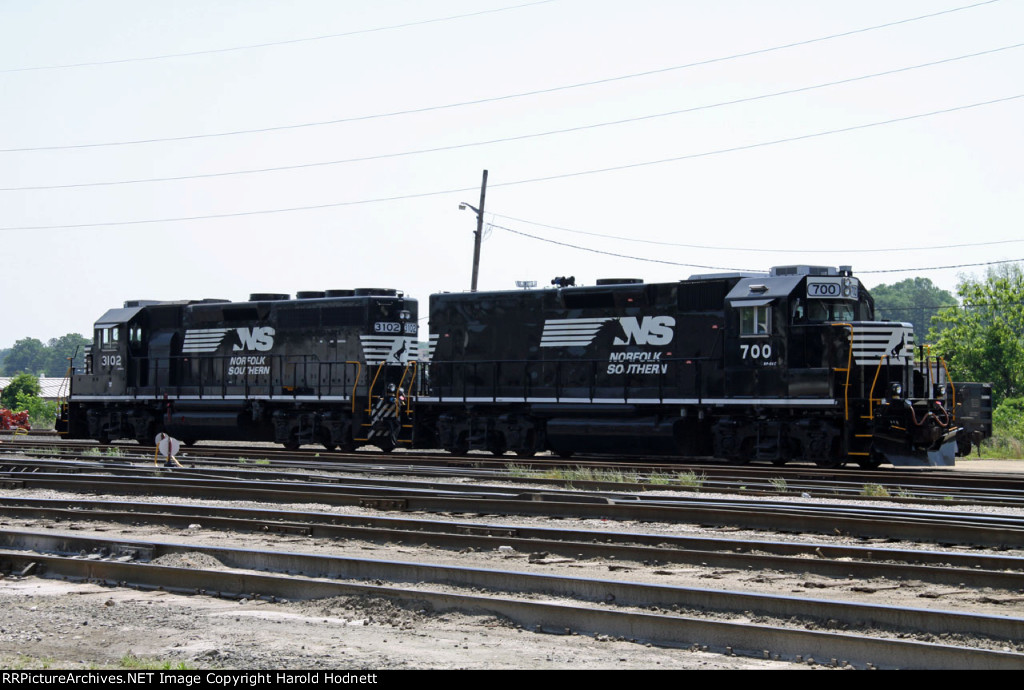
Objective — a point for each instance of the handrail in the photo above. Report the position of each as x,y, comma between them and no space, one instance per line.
949,382
401,383
849,369
871,393
369,391
355,384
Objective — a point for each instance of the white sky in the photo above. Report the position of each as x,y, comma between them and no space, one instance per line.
952,178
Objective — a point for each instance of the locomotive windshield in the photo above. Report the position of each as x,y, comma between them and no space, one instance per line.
826,310
823,311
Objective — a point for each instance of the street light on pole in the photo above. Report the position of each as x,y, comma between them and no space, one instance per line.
478,235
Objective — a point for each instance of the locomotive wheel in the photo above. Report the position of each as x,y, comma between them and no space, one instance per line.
869,463
461,446
497,446
829,463
524,453
325,440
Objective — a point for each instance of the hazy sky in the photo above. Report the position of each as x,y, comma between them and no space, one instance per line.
705,135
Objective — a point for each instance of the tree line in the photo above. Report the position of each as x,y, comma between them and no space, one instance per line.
31,356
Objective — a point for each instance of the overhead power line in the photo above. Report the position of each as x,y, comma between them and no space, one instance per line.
759,250
731,268
270,44
521,137
522,94
547,178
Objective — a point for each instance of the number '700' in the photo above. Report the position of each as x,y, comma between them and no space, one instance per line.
757,351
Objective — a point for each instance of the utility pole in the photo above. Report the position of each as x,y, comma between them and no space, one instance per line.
479,232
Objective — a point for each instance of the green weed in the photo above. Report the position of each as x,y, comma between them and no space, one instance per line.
130,661
519,471
875,491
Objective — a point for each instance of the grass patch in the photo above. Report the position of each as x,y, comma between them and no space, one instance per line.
130,661
520,471
875,491
779,485
261,462
1002,448
691,479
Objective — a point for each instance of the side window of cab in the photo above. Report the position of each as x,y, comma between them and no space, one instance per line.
756,321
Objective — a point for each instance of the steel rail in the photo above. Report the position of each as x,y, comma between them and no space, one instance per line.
938,526
671,628
293,483
944,488
974,570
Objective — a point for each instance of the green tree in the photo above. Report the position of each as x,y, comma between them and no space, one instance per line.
983,339
914,300
28,355
41,413
22,384
60,349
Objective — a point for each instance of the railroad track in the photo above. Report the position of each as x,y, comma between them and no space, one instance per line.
823,618
828,560
904,522
947,488
647,613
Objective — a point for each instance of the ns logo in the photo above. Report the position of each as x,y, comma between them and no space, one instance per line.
260,338
653,330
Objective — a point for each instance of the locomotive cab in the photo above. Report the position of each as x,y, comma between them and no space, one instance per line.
111,363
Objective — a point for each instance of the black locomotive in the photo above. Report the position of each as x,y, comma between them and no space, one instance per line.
788,365
779,366
327,367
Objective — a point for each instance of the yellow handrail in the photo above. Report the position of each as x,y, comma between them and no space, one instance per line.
369,392
401,384
849,368
359,371
871,393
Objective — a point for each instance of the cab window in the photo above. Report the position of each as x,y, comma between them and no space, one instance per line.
755,321
108,338
826,310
